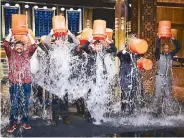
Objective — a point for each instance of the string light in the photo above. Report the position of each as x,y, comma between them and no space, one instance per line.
53,8
17,5
62,9
36,7
7,4
26,6
45,7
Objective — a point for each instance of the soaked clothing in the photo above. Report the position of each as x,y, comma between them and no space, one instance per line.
59,105
128,79
164,62
163,78
19,96
38,79
91,67
20,81
92,56
19,64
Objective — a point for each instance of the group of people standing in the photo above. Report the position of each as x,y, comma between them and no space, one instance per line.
20,74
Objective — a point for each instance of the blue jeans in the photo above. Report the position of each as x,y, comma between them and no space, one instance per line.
19,96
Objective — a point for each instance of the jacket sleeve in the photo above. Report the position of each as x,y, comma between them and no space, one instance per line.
47,41
75,40
119,54
157,52
7,48
43,47
112,48
32,49
177,47
85,47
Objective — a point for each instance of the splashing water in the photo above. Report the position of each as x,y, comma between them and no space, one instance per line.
61,72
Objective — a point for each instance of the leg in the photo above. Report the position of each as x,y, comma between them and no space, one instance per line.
24,98
14,98
82,106
64,108
168,88
78,106
55,109
159,84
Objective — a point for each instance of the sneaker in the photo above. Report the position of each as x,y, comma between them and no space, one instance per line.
26,126
12,128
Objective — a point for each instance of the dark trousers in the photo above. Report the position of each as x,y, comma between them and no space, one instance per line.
59,107
128,95
19,96
80,106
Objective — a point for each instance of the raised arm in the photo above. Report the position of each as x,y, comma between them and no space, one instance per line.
33,46
112,46
177,47
85,47
47,41
157,52
6,44
74,38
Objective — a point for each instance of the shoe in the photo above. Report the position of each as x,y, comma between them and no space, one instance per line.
26,126
12,128
67,121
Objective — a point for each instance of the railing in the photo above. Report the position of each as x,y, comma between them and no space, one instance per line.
178,62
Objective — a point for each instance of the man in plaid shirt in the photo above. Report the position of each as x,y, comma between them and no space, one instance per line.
20,78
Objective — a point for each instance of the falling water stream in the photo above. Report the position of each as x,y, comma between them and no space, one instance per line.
62,72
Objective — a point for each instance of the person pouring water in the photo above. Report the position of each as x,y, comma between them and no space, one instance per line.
20,78
163,75
58,105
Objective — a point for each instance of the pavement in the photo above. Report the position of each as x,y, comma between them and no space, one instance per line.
80,127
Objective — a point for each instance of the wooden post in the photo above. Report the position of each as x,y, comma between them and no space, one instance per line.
119,30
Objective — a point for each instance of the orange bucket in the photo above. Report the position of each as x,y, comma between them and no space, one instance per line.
139,46
58,24
164,29
24,38
109,33
86,33
83,41
144,64
19,26
99,29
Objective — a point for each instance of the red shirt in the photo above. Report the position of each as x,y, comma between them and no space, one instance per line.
19,64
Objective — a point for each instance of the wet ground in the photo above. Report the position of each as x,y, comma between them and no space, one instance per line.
80,127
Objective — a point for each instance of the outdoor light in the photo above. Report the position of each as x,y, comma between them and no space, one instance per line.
71,9
53,8
17,5
62,9
26,6
79,10
36,7
45,7
7,4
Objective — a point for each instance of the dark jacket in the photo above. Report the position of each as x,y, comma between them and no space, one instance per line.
91,64
128,70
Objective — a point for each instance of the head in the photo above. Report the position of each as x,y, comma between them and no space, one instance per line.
98,45
19,46
126,46
60,40
166,48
